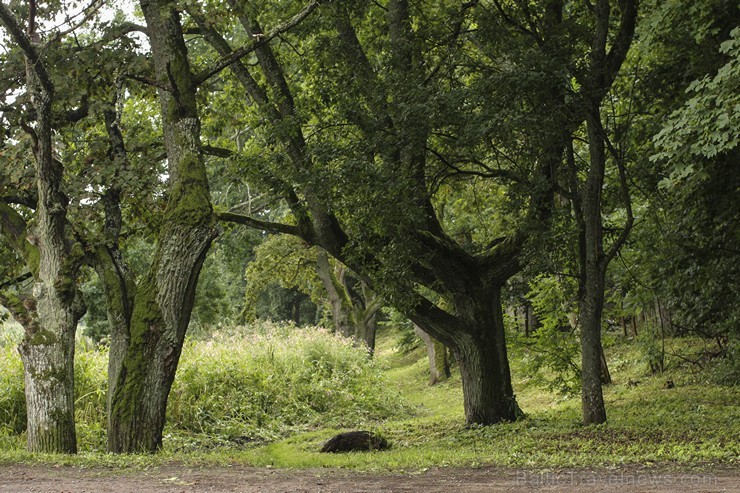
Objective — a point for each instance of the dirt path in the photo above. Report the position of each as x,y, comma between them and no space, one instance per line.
184,479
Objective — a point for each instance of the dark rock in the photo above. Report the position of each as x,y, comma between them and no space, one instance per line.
355,440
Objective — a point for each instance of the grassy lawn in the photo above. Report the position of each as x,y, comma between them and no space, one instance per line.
693,425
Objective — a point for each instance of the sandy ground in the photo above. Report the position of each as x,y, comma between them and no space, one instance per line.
237,479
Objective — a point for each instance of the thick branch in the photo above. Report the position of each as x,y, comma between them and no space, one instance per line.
623,41
240,71
251,222
17,280
217,151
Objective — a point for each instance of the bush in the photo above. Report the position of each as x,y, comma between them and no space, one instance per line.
91,385
247,384
264,382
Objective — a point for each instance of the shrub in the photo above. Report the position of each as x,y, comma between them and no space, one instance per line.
246,384
269,381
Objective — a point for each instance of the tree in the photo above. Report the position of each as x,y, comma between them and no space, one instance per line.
392,237
606,58
354,306
437,355
49,314
291,263
163,301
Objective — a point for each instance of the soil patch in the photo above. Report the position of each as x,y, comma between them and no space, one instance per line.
238,479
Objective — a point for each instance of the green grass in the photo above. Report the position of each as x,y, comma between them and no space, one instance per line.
694,425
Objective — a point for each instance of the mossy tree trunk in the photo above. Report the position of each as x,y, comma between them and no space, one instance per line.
476,337
164,298
49,314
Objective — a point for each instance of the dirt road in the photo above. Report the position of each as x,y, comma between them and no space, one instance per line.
238,479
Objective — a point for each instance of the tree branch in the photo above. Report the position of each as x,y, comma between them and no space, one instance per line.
118,32
17,280
218,151
88,12
261,41
240,71
515,24
148,81
251,222
16,32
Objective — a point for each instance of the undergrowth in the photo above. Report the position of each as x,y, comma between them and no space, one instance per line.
240,388
271,396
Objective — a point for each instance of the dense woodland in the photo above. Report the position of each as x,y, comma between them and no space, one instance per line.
471,173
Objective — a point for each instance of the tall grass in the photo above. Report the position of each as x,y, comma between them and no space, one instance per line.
260,383
245,385
12,400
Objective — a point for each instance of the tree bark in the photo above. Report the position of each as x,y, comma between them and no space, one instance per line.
592,277
593,260
484,367
592,398
164,300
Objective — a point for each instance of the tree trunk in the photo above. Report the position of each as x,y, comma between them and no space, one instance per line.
353,313
532,322
439,368
488,395
339,314
48,361
429,343
164,300
51,313
606,376
118,292
592,398
592,277
370,327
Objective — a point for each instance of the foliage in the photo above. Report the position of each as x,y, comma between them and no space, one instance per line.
706,125
283,269
479,118
551,352
408,340
12,398
652,344
91,384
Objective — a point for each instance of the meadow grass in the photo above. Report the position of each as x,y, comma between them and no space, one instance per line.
233,404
